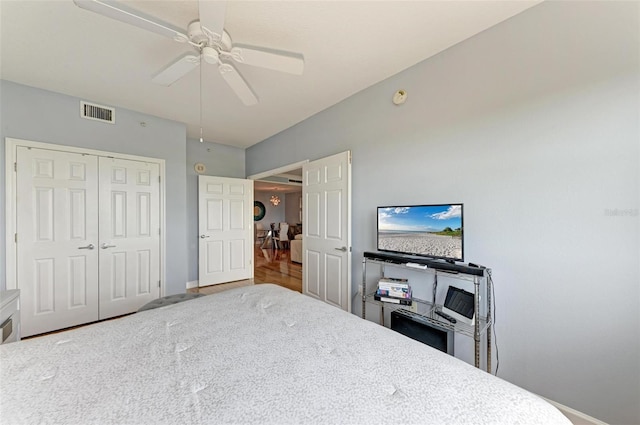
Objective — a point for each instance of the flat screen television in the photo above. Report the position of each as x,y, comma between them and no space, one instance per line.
433,231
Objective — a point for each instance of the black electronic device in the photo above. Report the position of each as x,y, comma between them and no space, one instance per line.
459,304
429,262
433,231
445,316
419,328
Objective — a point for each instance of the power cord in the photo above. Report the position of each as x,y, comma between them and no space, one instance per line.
435,289
495,335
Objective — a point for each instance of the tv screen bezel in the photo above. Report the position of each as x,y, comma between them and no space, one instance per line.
410,254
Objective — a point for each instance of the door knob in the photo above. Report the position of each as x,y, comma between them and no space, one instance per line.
343,249
90,246
105,246
203,236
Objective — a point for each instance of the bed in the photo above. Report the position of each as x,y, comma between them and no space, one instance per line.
257,354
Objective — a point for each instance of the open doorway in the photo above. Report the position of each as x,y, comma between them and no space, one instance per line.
278,222
326,221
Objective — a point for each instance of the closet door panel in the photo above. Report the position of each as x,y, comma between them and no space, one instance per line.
57,236
129,235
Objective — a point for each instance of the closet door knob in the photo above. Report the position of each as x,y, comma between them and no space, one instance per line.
203,236
105,246
90,246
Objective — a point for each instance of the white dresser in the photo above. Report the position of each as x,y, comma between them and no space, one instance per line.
10,315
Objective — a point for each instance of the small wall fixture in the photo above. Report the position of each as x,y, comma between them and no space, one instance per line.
275,200
399,97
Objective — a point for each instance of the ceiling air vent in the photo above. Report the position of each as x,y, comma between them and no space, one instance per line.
91,111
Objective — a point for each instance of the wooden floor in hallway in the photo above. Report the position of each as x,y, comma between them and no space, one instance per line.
271,266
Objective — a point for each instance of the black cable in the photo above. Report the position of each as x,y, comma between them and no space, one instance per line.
495,335
435,288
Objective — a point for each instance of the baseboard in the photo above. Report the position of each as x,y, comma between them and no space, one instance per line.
576,417
192,284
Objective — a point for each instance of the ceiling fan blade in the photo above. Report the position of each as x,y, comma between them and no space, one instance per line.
237,84
176,70
212,14
292,63
115,10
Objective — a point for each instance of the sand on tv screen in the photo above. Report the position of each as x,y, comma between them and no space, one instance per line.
426,230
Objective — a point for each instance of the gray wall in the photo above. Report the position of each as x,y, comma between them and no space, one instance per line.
43,116
273,214
292,207
221,161
533,125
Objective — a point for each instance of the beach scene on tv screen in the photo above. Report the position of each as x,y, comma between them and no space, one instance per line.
433,230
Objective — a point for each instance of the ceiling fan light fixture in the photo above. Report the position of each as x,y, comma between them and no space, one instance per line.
210,55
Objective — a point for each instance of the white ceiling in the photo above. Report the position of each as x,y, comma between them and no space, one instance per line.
348,46
274,183
276,188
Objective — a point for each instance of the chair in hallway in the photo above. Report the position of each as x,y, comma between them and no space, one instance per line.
261,232
283,235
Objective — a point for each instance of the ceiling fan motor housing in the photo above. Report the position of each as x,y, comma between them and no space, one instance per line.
195,33
200,37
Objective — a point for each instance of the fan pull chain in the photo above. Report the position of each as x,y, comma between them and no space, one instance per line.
201,139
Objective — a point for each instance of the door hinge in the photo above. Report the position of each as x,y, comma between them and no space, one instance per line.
158,284
15,237
15,167
158,179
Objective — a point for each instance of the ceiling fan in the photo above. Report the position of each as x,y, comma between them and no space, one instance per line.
209,40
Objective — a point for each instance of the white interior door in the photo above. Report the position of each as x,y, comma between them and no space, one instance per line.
326,244
225,223
57,239
129,235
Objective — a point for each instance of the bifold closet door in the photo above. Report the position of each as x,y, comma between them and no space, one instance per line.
57,238
129,235
88,237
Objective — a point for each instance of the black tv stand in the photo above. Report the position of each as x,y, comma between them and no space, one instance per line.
432,263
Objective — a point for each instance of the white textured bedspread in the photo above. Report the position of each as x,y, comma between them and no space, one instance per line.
257,354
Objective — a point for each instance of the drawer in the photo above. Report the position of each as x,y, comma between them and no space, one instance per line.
8,310
7,330
9,316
